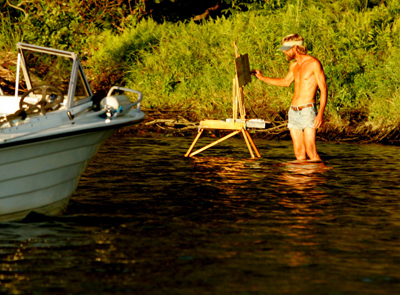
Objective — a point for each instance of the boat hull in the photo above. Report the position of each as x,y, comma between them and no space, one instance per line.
41,176
50,133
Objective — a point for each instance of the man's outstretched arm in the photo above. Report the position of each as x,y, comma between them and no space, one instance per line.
285,82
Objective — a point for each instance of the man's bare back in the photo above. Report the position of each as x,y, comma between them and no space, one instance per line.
308,75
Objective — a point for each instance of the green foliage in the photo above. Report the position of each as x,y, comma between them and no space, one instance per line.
66,24
52,25
8,34
189,65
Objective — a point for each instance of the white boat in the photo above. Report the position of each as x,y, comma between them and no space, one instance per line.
49,134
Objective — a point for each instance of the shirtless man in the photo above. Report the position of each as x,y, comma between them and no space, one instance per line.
308,75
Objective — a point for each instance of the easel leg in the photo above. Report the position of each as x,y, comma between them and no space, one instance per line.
253,144
247,142
214,143
194,142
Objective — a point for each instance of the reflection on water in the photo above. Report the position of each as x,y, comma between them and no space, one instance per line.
304,176
146,220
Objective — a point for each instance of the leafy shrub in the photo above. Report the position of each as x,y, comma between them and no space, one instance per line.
189,65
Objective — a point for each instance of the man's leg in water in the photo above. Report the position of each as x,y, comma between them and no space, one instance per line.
310,144
304,144
298,143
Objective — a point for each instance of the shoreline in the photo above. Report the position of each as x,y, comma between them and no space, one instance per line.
181,123
175,124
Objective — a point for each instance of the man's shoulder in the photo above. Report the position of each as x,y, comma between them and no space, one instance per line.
293,64
312,62
312,59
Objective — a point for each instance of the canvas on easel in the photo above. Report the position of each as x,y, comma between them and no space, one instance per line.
237,125
243,69
242,77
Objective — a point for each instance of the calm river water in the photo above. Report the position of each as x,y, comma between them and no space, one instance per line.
146,220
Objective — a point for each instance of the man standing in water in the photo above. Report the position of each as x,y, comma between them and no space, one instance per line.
308,75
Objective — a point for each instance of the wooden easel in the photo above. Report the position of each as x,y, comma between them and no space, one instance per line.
237,125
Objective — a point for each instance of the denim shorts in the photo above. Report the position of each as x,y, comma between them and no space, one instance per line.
302,119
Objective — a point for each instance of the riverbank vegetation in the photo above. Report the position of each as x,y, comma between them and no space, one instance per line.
184,61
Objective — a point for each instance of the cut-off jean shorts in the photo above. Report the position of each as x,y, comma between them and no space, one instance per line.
302,119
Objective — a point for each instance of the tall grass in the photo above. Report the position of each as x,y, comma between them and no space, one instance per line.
190,66
8,33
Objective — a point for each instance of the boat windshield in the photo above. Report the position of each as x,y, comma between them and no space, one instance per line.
44,68
81,90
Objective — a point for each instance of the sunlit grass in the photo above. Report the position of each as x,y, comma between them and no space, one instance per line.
190,66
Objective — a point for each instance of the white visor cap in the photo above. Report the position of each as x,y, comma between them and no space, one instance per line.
289,44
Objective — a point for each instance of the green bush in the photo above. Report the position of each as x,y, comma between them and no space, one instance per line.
190,65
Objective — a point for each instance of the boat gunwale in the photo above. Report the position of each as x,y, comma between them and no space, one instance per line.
38,138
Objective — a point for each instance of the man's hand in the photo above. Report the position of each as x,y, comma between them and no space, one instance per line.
285,82
318,121
256,73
